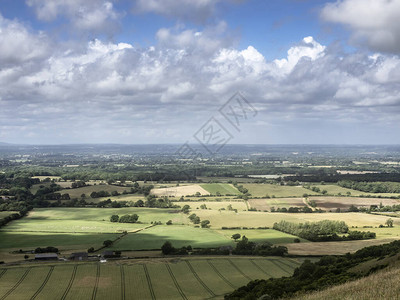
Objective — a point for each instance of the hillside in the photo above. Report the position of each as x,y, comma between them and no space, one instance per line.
380,285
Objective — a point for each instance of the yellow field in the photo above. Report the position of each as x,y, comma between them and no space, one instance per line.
219,219
178,191
264,189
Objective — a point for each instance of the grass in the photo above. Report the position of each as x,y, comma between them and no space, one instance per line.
262,235
155,237
221,188
264,189
96,220
31,240
335,189
197,278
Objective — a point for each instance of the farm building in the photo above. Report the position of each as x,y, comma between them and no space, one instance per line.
79,256
46,256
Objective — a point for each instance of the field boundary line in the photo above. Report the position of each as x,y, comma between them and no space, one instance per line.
199,279
71,281
220,275
16,285
175,282
237,268
286,264
122,282
96,284
279,266
3,272
146,271
44,283
261,269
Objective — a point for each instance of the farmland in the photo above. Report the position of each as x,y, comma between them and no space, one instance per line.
220,188
178,191
158,279
274,190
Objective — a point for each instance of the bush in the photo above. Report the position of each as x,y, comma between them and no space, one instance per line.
296,240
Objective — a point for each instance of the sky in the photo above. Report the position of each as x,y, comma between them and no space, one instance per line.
202,71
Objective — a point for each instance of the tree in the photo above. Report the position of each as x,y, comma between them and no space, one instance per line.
236,236
205,224
114,218
167,248
185,209
389,222
107,243
169,222
90,250
129,218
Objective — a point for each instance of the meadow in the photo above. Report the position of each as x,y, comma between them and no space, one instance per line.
158,279
275,190
214,205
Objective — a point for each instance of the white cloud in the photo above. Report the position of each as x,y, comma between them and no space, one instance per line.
18,45
373,22
107,92
94,16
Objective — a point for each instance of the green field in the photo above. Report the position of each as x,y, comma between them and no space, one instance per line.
262,235
87,190
92,220
264,189
335,190
183,235
221,188
187,279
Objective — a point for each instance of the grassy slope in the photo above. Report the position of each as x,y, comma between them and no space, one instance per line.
381,285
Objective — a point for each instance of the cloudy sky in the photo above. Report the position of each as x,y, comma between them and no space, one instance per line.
156,71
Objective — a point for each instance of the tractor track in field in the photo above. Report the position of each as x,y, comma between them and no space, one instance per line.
287,265
146,271
122,282
199,279
176,282
240,271
220,275
44,283
261,269
279,266
17,284
3,272
96,284
71,281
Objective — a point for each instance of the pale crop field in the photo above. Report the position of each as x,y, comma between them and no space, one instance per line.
221,188
178,191
261,219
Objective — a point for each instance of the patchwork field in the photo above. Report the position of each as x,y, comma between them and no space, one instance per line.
87,190
274,190
187,279
178,191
